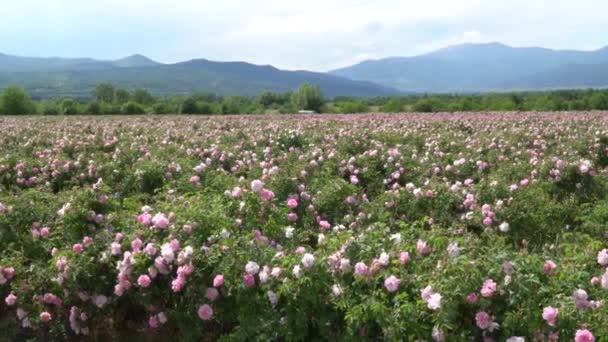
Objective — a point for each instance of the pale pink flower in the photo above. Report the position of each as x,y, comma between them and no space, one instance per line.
145,219
434,302
426,293
602,257
472,297
292,203
266,194
391,283
160,221
324,224
422,247
11,299
205,312
257,185
361,269
45,317
488,288
307,260
404,257
77,248
212,293
252,268
44,232
248,280
584,335
550,315
549,266
144,280
483,320
153,322
218,280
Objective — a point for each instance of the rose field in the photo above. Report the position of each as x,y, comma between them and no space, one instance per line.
397,227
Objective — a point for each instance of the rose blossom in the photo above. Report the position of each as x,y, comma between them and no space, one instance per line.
205,312
550,315
391,283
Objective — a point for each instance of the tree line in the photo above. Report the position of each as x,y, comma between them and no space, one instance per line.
109,99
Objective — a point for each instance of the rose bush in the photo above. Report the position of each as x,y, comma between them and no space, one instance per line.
445,227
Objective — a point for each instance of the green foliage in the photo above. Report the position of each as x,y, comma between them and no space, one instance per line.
69,107
143,97
16,101
425,105
393,105
308,97
132,107
351,107
189,106
104,92
111,100
49,108
93,108
122,96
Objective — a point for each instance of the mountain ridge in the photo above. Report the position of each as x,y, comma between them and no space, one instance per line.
462,68
473,67
78,77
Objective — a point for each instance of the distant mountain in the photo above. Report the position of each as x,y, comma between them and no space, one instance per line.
135,61
566,76
51,77
10,63
459,68
484,67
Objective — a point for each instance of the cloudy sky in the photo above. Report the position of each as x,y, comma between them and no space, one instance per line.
312,34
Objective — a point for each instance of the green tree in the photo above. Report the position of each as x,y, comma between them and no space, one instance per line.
142,96
308,97
162,108
93,108
16,101
352,107
68,107
204,107
104,92
189,106
394,105
599,100
122,96
132,107
424,105
49,108
267,99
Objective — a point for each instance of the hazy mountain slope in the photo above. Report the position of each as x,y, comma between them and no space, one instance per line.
479,67
229,78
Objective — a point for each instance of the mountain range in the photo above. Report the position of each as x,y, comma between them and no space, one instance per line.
486,67
459,68
77,77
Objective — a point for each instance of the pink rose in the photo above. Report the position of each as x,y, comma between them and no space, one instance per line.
218,280
205,312
391,283
550,315
249,280
45,317
212,293
144,280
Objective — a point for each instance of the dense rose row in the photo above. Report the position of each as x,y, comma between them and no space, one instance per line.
488,226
